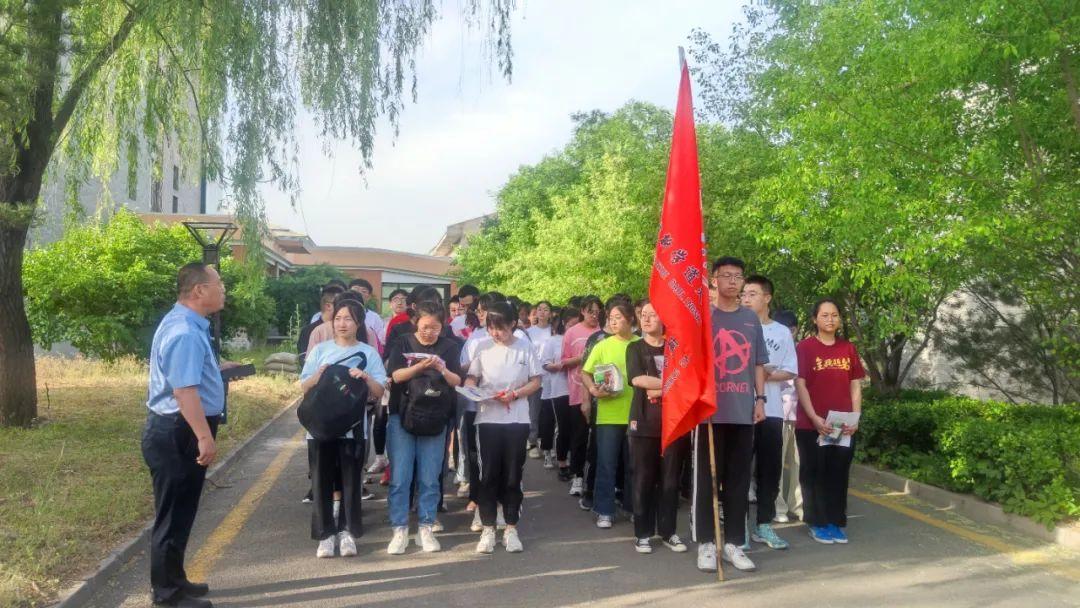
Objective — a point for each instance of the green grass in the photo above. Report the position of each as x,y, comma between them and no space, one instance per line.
74,486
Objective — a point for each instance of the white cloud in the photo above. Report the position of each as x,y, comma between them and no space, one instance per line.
470,130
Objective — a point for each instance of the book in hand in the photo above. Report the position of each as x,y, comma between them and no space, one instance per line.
607,378
414,358
475,393
837,420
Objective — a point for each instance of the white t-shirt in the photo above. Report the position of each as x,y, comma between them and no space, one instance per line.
457,325
538,335
781,350
553,385
503,368
375,328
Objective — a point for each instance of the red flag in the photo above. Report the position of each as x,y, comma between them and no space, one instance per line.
679,287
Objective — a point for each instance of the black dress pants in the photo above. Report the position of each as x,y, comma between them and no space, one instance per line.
170,448
546,434
564,423
579,442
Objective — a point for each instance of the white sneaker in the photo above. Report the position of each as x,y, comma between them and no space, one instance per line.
326,547
487,541
437,526
427,541
549,460
511,541
534,452
737,558
399,542
378,464
706,557
576,486
603,521
463,490
346,544
781,518
477,525
500,519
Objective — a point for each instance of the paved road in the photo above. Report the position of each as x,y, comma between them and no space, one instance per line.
252,539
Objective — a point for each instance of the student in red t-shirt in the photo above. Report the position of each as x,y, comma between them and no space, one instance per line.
829,379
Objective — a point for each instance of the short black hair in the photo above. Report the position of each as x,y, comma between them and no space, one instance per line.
398,292
620,298
468,290
575,301
332,290
362,283
762,280
191,275
348,294
337,283
502,314
428,308
728,261
786,318
424,293
455,299
486,300
587,302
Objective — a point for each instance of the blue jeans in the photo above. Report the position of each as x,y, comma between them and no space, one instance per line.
611,445
406,450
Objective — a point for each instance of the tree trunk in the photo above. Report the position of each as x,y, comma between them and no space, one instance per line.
18,383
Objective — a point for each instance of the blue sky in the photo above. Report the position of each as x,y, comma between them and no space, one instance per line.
470,130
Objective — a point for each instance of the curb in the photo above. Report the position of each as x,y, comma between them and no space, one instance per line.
971,507
78,593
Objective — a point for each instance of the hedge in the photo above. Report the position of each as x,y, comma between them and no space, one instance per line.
1024,457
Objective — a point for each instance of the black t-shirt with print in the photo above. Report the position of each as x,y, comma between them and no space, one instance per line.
645,416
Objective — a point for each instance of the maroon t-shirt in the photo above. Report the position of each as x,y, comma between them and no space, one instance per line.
828,372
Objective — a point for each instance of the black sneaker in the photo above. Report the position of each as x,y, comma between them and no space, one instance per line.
365,494
564,474
585,504
307,498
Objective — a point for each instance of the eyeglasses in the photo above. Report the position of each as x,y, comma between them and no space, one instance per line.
728,277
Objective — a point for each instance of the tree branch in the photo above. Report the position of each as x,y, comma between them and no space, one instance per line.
82,81
923,344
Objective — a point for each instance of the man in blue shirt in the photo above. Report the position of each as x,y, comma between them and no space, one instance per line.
185,399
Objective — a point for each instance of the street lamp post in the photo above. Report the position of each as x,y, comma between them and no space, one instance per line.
211,236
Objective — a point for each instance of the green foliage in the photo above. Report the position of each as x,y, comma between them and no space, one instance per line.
299,292
593,207
103,287
248,306
1024,457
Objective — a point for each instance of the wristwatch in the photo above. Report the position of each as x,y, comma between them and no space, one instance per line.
762,398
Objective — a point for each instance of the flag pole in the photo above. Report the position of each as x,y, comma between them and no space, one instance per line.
718,531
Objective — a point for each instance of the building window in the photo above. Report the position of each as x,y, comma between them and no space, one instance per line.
175,177
175,204
155,196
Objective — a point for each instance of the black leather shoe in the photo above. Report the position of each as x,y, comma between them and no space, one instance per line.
194,589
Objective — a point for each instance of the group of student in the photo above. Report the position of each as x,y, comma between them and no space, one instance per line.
580,387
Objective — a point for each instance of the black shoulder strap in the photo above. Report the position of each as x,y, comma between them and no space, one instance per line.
359,353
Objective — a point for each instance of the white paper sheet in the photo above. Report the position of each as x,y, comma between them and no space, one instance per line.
836,420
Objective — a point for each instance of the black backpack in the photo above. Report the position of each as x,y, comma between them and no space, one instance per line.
336,404
428,401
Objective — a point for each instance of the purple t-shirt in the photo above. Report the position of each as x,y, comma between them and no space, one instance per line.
739,347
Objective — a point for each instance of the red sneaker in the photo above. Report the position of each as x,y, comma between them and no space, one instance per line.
385,481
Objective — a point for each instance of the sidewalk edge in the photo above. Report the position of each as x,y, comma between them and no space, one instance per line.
81,591
971,507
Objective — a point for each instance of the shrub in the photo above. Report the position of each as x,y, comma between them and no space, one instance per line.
300,290
103,287
1025,457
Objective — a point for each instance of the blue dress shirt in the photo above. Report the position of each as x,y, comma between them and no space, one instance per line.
181,357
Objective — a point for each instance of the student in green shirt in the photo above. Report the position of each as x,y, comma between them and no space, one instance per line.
612,409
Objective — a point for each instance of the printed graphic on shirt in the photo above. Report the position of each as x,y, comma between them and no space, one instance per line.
843,363
733,350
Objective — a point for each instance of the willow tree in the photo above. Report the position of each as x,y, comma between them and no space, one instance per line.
222,81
